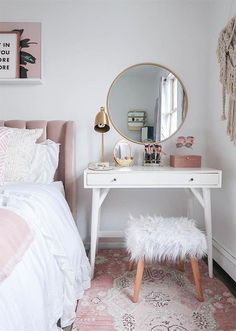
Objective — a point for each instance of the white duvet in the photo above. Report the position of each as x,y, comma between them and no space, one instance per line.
54,272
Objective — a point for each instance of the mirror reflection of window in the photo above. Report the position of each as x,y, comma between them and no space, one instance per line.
171,105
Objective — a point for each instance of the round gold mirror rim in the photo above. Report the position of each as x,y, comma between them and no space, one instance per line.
120,74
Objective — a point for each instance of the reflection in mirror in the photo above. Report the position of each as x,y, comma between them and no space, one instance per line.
122,153
147,103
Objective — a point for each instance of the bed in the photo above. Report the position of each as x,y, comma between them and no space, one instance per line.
41,291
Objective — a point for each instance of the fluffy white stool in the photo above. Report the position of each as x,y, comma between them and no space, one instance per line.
165,239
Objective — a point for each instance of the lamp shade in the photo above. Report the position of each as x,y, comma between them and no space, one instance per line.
101,121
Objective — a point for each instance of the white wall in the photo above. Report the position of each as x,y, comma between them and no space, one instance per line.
221,152
86,44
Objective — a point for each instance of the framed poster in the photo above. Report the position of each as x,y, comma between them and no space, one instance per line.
30,47
9,54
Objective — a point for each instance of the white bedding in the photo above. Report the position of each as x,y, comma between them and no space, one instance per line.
57,184
54,272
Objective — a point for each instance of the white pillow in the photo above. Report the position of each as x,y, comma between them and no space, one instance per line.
20,152
44,163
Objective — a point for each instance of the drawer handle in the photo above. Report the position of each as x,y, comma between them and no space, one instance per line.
191,179
114,180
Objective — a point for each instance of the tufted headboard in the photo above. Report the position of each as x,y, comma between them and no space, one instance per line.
61,132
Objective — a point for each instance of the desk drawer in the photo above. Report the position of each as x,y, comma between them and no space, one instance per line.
154,179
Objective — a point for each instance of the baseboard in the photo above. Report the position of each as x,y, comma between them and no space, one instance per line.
225,259
107,243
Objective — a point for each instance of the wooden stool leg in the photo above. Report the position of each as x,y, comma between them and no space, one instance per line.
197,278
131,264
138,280
181,266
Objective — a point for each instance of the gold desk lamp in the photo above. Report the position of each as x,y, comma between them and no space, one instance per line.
102,125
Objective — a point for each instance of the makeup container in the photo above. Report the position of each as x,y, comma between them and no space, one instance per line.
152,154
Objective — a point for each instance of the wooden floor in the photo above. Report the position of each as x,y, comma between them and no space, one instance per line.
225,278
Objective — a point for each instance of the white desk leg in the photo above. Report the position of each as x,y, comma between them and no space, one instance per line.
98,227
208,223
94,227
190,203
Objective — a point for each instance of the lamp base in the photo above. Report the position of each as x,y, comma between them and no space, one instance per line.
100,166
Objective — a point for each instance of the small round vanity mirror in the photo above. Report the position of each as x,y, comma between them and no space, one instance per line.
147,103
122,154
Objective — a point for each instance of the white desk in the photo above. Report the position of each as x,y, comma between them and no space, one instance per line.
196,181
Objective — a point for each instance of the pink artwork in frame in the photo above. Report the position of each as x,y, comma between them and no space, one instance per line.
30,46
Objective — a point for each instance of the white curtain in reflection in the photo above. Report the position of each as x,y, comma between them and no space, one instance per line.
168,107
157,118
165,107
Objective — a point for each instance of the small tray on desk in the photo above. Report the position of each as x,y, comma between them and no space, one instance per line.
185,161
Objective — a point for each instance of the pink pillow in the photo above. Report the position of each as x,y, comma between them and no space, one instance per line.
15,237
4,135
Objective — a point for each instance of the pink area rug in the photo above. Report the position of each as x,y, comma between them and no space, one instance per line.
167,299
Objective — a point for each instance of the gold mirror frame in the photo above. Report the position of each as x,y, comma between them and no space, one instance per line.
136,65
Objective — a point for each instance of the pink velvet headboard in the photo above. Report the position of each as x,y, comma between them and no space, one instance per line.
61,132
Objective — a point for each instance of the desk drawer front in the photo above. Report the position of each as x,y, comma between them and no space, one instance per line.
153,179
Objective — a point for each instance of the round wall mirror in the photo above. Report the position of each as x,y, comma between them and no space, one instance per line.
147,103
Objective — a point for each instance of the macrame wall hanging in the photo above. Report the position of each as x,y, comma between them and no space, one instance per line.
226,53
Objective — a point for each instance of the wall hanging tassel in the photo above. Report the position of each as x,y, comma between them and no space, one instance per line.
226,53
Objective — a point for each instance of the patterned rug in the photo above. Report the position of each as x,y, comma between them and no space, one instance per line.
166,303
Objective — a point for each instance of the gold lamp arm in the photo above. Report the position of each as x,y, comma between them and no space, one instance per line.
103,147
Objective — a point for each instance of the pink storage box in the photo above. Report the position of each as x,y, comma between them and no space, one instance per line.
185,161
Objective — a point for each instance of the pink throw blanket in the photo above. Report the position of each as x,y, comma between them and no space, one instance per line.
15,238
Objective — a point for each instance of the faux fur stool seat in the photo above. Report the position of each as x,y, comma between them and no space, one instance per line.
159,239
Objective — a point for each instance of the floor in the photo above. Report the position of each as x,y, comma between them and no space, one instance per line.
167,299
225,278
